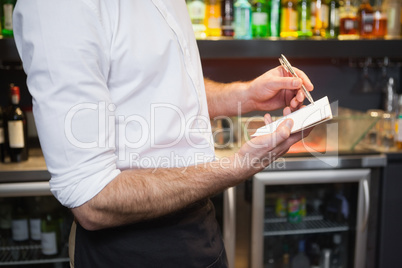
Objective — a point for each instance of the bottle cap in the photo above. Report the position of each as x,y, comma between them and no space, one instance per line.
15,90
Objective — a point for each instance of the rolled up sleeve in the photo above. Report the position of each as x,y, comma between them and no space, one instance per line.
65,50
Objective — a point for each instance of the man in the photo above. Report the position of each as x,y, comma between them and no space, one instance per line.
122,113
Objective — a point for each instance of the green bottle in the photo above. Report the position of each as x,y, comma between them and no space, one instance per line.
333,19
304,17
19,222
7,9
50,234
274,18
259,18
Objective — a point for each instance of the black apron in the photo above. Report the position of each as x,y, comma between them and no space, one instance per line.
188,238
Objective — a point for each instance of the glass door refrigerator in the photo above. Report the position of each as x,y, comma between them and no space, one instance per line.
310,218
34,227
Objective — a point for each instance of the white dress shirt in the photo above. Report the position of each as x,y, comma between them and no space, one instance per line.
115,85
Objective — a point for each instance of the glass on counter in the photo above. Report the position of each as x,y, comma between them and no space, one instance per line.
386,137
373,133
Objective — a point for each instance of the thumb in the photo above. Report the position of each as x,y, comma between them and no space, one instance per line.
284,129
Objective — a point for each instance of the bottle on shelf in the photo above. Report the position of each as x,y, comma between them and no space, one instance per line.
398,128
366,19
213,18
19,222
16,128
288,19
393,13
227,18
326,256
242,16
333,19
274,18
35,220
285,256
7,8
319,18
379,21
348,21
196,10
259,18
2,137
337,258
50,234
301,260
294,209
304,17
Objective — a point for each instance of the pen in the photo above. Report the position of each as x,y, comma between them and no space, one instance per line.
285,63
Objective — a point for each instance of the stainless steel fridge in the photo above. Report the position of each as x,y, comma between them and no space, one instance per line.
323,213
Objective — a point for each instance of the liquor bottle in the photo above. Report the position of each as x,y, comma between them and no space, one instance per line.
213,17
16,128
50,234
366,19
288,18
379,21
19,222
301,260
2,137
393,13
274,18
348,22
333,19
304,16
227,18
259,18
319,18
196,10
242,15
35,220
7,8
398,129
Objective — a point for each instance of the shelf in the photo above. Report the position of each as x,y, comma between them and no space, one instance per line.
299,48
312,223
28,254
224,48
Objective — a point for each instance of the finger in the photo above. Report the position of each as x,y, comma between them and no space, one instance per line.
284,129
287,111
300,96
267,119
306,81
270,141
288,82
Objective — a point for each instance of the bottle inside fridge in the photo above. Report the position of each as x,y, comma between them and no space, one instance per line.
34,232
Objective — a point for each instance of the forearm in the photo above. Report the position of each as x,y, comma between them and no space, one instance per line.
227,98
143,194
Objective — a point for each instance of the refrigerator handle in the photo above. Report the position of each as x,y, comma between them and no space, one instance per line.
229,224
366,191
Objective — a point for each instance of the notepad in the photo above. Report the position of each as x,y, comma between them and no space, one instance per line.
303,118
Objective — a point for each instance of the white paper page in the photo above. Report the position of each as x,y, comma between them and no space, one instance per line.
303,118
